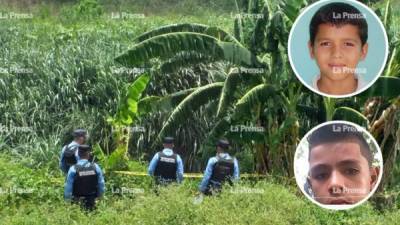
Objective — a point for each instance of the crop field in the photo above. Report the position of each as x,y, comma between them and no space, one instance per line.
132,72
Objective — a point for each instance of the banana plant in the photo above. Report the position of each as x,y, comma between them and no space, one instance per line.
257,77
127,114
267,97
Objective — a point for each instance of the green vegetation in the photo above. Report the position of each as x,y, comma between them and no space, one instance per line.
265,202
75,64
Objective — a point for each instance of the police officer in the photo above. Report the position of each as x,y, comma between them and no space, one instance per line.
69,154
166,166
85,181
220,169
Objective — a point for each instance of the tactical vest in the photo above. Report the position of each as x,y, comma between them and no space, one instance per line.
223,170
69,155
85,182
166,167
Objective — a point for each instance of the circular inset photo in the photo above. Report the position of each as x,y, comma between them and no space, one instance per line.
338,48
338,165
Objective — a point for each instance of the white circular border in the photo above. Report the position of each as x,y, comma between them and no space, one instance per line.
357,91
340,207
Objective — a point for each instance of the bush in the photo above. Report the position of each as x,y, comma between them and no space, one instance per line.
84,10
20,184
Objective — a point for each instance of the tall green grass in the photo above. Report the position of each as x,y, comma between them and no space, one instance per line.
73,84
45,8
70,78
263,202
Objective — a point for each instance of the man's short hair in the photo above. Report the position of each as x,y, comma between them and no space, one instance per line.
223,143
83,150
79,133
329,14
337,132
168,140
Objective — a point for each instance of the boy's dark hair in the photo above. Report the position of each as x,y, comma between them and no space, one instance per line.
337,132
328,14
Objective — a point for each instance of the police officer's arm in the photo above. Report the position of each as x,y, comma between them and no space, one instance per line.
153,164
63,167
100,181
236,172
207,175
69,183
77,155
179,169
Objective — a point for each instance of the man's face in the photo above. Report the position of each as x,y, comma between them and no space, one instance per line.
81,140
340,173
337,51
170,146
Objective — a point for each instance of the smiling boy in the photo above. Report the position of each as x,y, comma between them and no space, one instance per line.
341,169
338,41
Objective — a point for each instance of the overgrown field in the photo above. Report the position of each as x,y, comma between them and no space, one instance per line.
58,72
263,202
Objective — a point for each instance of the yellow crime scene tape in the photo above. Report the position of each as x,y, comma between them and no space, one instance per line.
185,175
188,175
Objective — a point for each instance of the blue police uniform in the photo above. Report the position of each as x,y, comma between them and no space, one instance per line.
207,181
91,182
63,165
166,157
